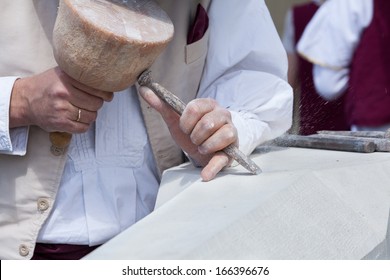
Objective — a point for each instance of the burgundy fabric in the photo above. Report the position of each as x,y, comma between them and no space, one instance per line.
61,251
368,98
199,26
315,112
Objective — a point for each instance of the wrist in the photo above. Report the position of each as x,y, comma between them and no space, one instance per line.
18,105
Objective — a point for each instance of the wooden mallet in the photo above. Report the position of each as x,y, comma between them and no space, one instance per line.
106,44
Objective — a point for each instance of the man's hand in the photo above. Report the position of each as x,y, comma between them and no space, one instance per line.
51,100
202,131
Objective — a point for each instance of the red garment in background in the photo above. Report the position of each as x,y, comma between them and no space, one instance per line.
368,96
315,112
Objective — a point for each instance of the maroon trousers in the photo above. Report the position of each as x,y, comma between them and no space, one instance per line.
61,251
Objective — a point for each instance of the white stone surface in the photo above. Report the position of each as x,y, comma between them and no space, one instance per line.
307,204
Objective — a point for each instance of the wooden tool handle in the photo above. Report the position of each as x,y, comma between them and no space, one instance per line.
60,141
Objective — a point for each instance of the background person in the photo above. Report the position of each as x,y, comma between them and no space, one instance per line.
313,112
349,41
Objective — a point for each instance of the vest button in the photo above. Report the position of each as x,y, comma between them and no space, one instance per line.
43,204
23,250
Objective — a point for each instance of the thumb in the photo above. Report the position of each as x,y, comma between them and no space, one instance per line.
151,98
159,105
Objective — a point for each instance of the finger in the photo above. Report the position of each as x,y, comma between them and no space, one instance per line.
194,111
160,106
70,126
216,164
74,120
78,127
85,101
84,116
225,136
78,97
106,96
209,124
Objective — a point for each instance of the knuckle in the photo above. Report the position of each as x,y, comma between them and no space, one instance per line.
224,114
212,102
227,114
206,124
59,106
193,108
195,140
184,127
231,133
59,91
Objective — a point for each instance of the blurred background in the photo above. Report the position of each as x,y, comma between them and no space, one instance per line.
278,10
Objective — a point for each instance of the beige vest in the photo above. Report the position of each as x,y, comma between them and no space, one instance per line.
29,184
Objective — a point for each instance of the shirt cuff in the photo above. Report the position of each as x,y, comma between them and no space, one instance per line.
12,141
246,143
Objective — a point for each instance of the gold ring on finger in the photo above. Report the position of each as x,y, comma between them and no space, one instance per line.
78,115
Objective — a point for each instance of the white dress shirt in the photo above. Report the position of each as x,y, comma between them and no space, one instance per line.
110,179
330,40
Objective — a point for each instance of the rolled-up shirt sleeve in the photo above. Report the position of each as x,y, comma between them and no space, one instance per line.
12,141
246,71
330,40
